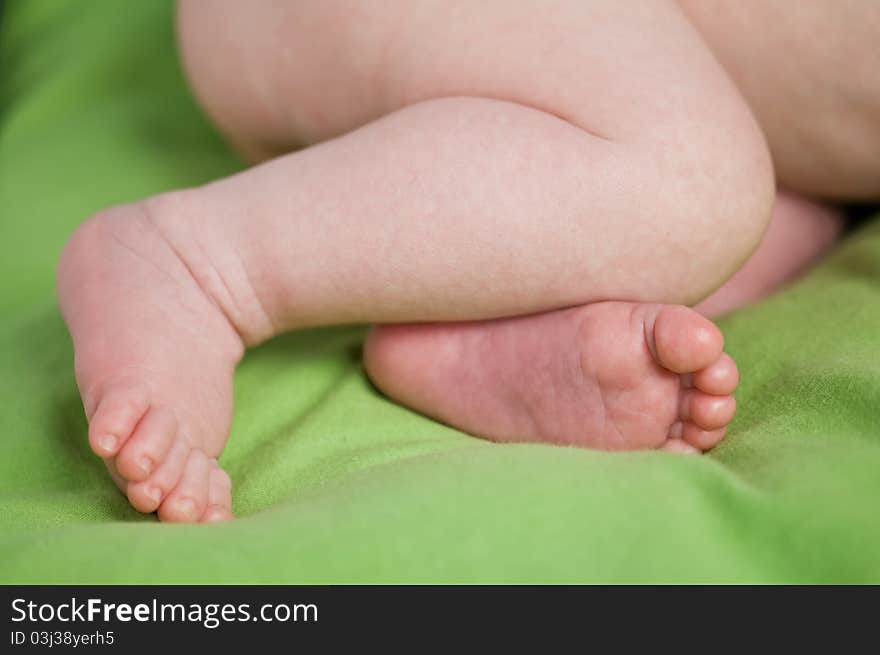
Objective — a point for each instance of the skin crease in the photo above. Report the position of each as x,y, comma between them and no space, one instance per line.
504,177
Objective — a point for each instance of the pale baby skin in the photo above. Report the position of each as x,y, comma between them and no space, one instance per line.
540,205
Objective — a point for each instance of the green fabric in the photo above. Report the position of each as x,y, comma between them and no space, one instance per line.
335,483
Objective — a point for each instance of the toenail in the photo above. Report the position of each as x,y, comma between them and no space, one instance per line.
187,508
216,514
108,443
154,494
145,464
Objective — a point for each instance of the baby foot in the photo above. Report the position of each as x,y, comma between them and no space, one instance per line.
154,362
610,375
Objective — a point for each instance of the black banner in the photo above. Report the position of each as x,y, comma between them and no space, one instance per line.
136,618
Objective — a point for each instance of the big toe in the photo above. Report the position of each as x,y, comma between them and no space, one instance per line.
187,502
219,504
683,341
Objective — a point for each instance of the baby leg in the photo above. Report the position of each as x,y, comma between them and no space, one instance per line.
582,376
800,232
562,161
657,187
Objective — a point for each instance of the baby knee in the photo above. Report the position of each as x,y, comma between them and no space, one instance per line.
722,200
745,196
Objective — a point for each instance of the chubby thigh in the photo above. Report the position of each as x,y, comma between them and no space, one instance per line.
276,76
599,145
811,73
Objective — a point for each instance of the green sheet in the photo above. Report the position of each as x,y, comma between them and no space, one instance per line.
334,483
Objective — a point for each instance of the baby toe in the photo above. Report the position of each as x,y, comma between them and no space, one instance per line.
701,439
186,503
707,411
146,496
146,449
719,378
219,505
143,496
679,446
683,341
120,482
217,515
115,418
